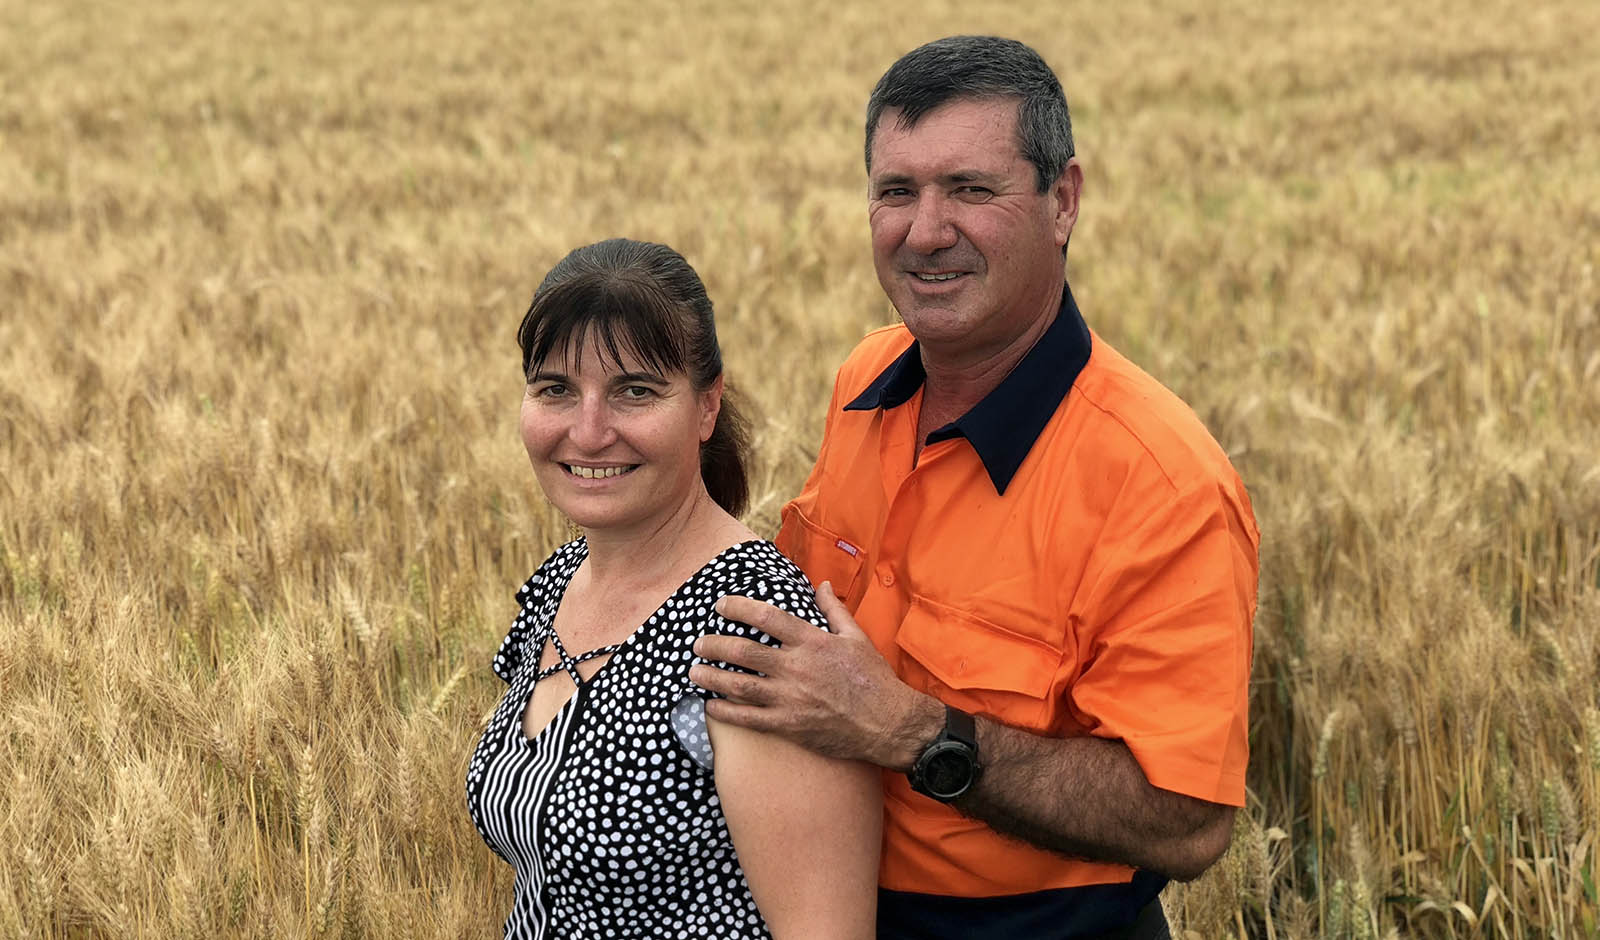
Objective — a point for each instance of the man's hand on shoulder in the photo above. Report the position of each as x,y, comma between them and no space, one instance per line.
829,691
832,692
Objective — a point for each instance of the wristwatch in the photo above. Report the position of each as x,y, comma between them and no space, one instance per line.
949,767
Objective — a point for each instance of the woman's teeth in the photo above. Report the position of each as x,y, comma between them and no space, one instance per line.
596,473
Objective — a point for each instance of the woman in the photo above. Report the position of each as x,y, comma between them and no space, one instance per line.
598,777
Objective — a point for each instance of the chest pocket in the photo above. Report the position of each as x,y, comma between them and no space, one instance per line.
824,556
977,666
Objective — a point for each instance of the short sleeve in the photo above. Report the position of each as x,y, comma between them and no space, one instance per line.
780,584
508,658
763,574
1169,620
541,591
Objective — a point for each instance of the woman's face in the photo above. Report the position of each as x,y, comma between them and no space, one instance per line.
615,446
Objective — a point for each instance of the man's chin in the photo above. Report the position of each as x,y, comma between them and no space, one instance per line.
937,326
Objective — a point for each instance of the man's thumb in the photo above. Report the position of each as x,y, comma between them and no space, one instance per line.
839,619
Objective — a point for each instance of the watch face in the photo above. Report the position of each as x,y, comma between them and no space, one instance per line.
947,772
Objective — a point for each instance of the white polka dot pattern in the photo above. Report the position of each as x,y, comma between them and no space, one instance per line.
689,726
610,814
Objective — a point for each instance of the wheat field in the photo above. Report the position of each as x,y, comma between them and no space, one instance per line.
263,503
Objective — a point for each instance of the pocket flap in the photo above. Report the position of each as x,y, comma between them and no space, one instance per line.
964,651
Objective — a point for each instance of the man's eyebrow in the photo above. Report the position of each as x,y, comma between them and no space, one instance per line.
891,179
954,177
545,375
970,176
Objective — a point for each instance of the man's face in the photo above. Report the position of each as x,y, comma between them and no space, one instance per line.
965,245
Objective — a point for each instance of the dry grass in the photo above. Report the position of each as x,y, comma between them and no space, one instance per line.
262,501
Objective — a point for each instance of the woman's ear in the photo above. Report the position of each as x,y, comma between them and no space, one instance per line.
710,407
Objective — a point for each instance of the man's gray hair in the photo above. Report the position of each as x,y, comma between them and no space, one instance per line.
977,67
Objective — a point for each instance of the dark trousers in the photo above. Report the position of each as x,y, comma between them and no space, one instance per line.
1150,925
895,922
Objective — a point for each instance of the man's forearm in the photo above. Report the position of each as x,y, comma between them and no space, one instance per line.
1083,796
1088,798
834,693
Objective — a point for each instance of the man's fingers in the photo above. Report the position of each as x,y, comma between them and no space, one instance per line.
778,624
739,686
746,716
839,619
737,651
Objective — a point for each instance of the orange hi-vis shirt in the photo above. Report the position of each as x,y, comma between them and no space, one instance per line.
1074,556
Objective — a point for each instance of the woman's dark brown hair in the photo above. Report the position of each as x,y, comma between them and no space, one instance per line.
644,299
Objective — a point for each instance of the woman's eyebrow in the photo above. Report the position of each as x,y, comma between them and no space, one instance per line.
648,378
545,375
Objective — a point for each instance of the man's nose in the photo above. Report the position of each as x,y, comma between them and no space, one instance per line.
931,228
592,427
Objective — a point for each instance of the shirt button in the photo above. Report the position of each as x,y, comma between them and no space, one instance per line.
886,577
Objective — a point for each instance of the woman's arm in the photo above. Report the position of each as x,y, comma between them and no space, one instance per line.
807,829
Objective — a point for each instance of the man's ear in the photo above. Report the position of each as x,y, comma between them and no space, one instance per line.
1067,188
710,407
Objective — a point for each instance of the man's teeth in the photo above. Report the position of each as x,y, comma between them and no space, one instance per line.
937,277
596,473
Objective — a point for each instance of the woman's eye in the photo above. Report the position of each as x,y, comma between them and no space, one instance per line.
550,390
637,392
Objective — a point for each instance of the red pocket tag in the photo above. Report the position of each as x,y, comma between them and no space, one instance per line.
847,548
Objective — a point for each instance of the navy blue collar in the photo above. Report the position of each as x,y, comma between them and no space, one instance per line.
1003,426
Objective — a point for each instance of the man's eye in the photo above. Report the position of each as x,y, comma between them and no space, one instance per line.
975,193
894,194
550,390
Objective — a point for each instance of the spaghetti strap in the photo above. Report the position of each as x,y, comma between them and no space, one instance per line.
569,662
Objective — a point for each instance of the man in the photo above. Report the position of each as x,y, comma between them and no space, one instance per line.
1039,568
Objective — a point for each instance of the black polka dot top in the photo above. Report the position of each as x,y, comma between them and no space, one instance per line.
610,814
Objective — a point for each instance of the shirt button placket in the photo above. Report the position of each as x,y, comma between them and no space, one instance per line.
898,525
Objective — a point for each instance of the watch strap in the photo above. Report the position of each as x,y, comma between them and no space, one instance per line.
961,727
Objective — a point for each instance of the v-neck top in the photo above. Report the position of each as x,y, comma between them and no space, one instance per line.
610,813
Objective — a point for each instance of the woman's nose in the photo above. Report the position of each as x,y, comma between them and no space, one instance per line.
592,427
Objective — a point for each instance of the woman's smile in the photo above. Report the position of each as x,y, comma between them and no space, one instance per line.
598,473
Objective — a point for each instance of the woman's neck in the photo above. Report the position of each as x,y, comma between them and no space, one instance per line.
669,548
